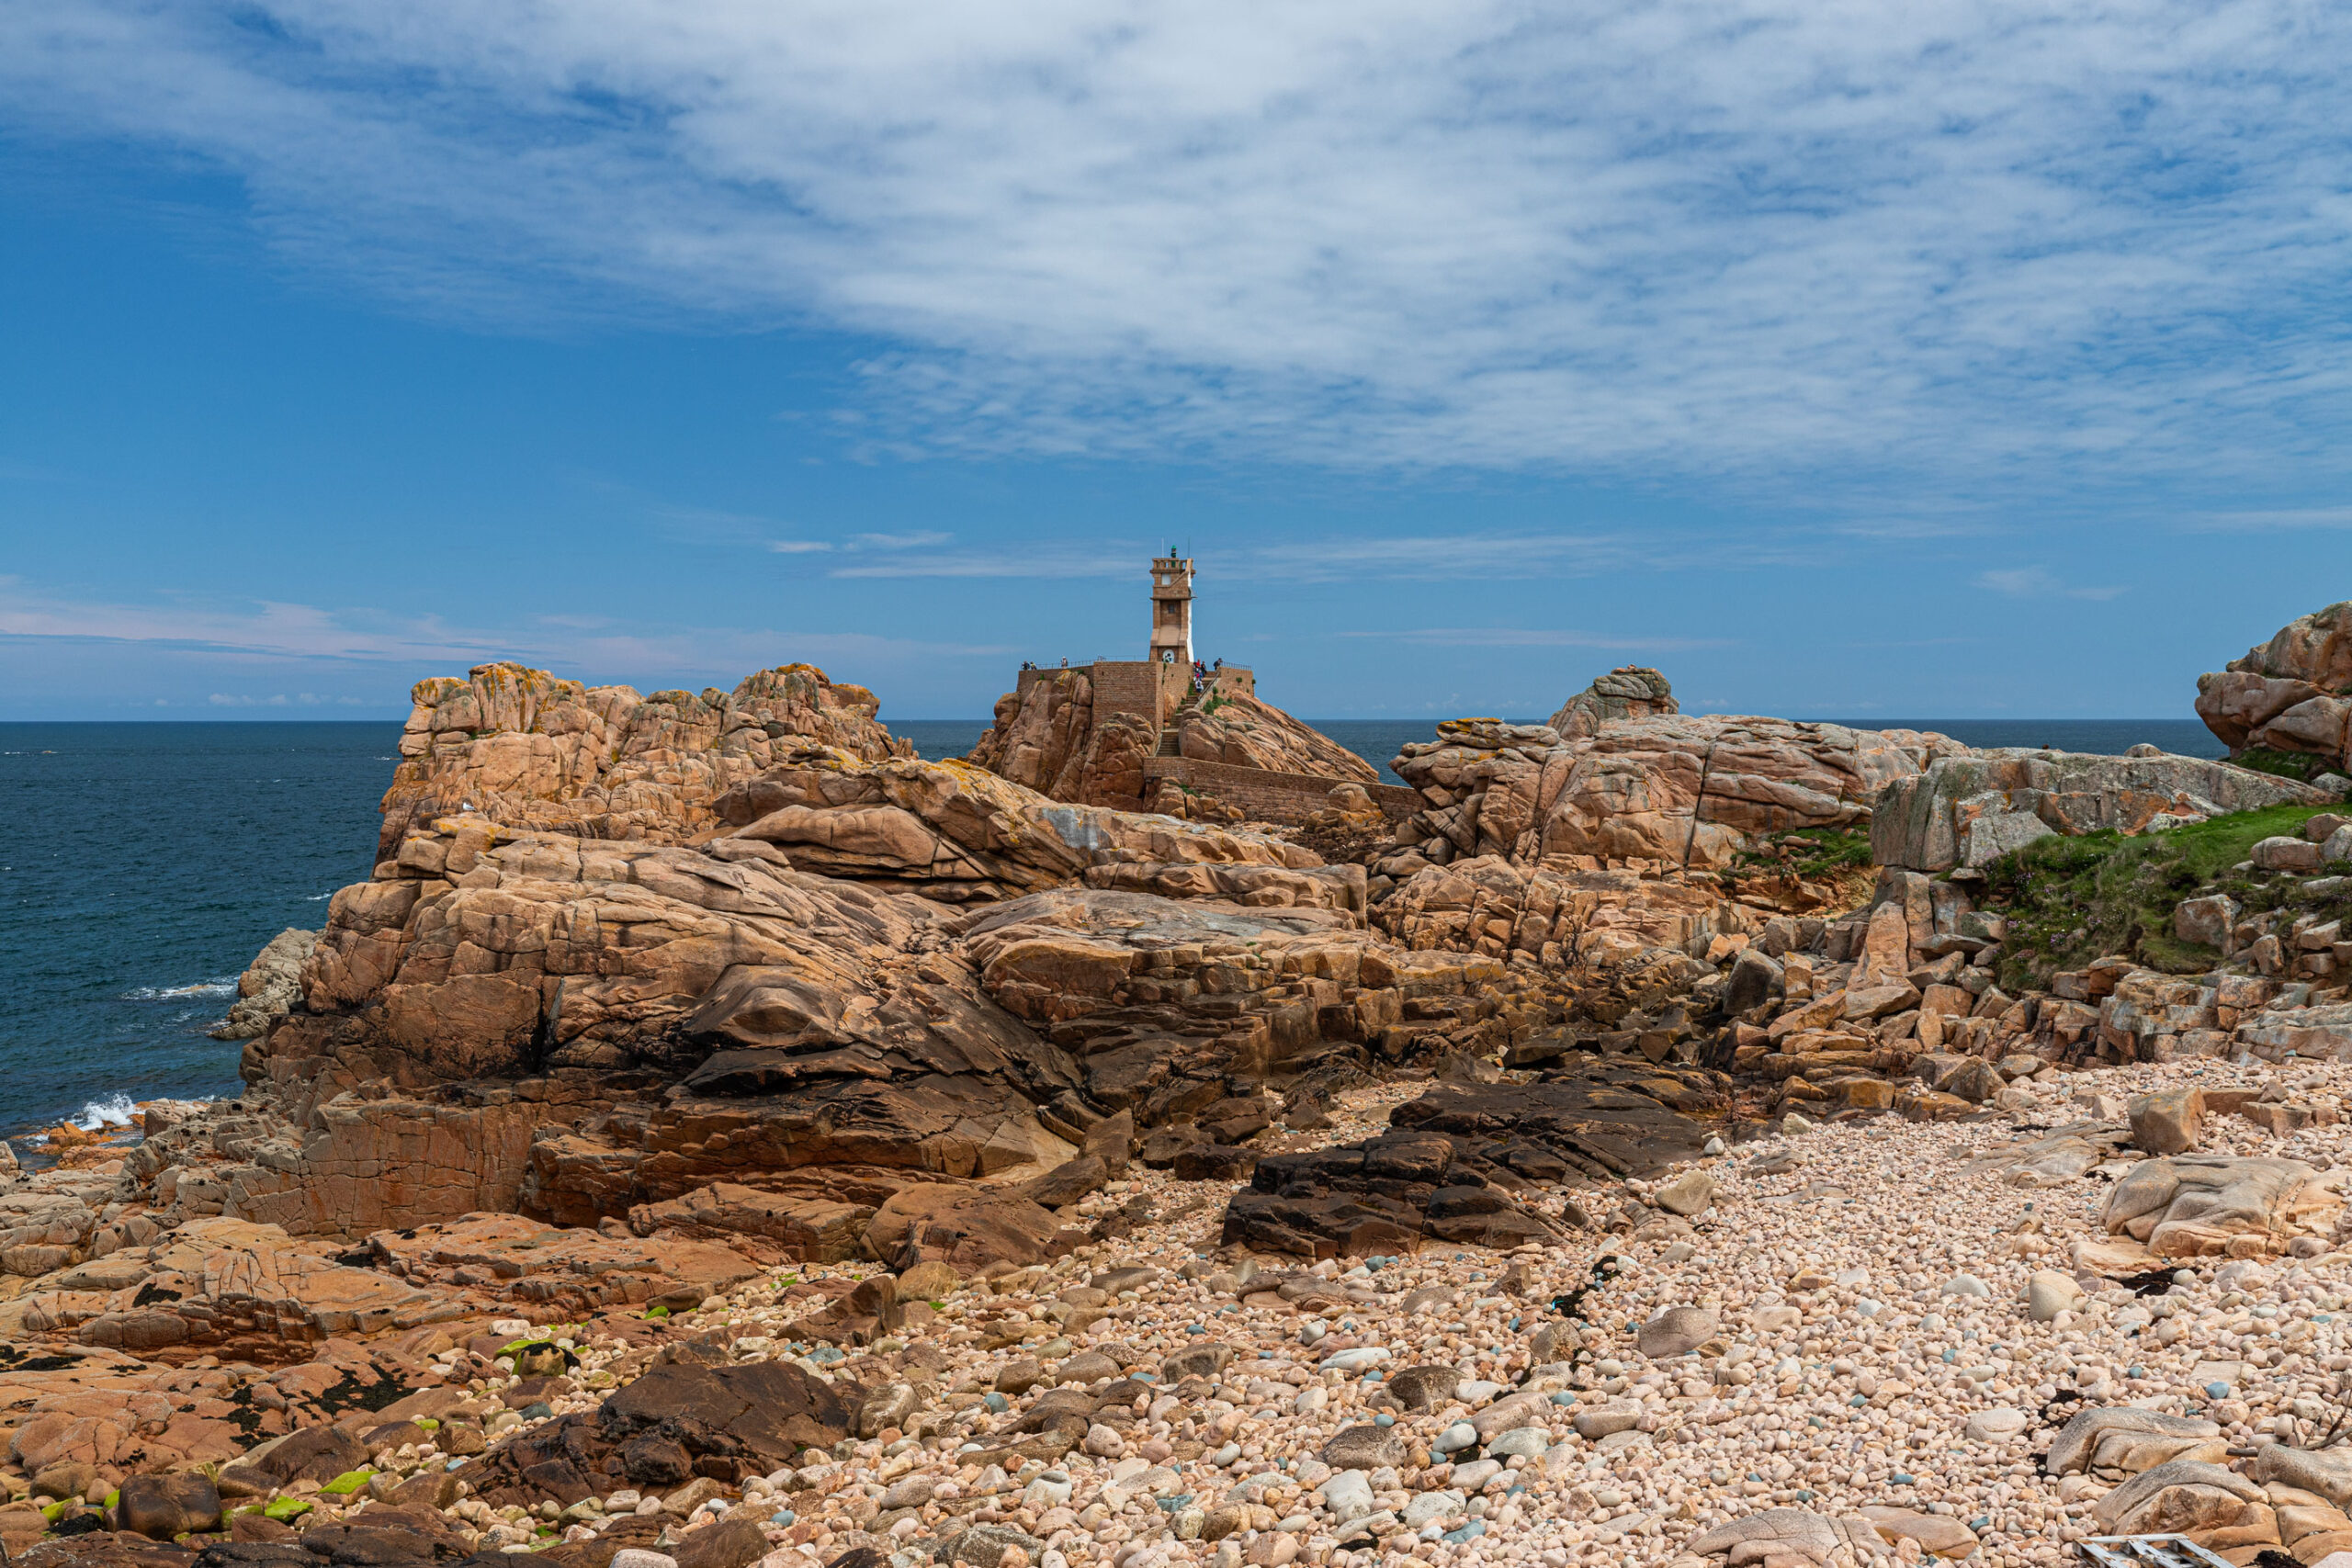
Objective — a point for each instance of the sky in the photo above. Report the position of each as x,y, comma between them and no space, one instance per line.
1934,361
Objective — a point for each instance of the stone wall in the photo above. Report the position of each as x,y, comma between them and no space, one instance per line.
1233,681
1130,685
1268,796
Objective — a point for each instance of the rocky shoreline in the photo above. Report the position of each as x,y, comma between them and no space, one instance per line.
715,1136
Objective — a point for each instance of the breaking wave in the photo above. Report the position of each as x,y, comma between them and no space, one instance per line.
227,988
116,1111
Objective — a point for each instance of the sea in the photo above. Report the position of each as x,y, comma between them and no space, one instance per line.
143,865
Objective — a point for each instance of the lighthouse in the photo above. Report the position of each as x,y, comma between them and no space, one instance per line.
1171,609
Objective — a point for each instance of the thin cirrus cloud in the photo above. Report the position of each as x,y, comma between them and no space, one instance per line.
1313,560
1536,636
1835,239
2284,518
324,638
2040,582
858,542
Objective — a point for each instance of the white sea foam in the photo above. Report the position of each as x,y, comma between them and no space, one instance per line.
115,1110
221,988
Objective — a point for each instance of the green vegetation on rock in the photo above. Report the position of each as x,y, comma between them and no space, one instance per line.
1810,854
2070,901
2299,765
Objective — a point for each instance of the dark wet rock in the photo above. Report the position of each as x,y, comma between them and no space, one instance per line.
1215,1162
314,1453
725,1422
1195,1362
383,1536
1425,1387
161,1506
1365,1446
730,1543
1386,1194
1605,1119
966,1228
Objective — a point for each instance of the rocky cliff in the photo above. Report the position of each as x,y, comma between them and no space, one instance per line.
1632,779
521,747
2290,697
1630,690
526,1236
1970,810
647,947
1049,738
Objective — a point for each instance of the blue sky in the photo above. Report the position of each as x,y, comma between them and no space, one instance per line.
1974,360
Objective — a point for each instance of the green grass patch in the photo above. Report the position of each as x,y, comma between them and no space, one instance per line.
2299,765
2073,900
1811,853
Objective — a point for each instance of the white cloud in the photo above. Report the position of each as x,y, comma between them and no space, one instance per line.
1837,236
2247,522
1041,558
2038,582
1532,637
918,540
1330,559
279,700
308,633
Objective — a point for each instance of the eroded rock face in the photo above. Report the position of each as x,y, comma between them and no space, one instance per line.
227,1286
1463,1162
958,833
1968,810
581,1028
529,750
2194,1205
1489,905
573,1270
1161,999
1055,736
2286,695
1630,690
1242,732
1385,1195
1671,787
270,985
2124,1441
1048,737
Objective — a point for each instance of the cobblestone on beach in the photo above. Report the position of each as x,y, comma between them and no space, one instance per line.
1867,1347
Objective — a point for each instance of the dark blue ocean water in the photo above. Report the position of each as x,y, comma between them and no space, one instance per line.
141,866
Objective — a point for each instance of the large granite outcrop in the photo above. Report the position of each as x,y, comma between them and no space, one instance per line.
1556,917
269,986
581,1028
1630,690
526,748
2292,694
957,832
1969,810
1048,737
1243,732
1655,786
1058,736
